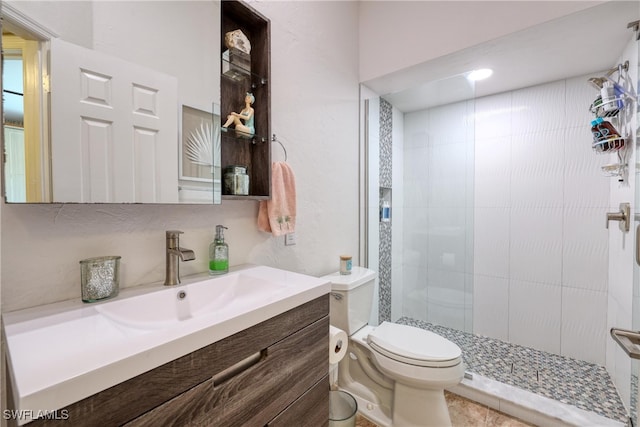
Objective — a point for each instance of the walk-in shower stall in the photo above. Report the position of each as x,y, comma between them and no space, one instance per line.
484,216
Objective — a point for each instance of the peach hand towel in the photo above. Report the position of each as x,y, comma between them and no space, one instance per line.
278,215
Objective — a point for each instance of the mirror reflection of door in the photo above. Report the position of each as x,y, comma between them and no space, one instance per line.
25,118
109,142
131,31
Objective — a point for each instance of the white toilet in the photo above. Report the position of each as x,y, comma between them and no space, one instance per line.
397,373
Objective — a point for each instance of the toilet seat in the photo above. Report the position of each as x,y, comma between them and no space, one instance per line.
414,346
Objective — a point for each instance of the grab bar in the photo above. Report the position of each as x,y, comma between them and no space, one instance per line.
628,340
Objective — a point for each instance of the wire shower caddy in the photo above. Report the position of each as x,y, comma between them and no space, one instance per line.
618,112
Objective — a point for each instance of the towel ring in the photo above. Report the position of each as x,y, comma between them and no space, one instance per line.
274,139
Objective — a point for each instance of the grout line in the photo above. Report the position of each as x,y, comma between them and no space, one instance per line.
486,415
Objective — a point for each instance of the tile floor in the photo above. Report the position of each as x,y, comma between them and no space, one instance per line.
466,413
574,382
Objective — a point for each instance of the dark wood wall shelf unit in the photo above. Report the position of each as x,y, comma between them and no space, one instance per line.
272,374
253,152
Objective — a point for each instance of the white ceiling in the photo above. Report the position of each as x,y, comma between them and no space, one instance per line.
586,42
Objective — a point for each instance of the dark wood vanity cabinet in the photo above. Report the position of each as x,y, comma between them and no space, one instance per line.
272,374
310,410
253,152
280,374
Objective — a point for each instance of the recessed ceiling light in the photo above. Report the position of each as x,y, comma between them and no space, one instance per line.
480,74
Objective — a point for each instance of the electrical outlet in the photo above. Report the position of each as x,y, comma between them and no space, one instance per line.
290,239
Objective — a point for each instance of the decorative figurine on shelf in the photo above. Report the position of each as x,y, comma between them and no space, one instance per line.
236,39
246,114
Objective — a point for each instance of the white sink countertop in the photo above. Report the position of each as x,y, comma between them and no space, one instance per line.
61,353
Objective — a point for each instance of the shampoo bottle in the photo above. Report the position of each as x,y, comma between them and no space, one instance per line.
385,211
218,253
608,94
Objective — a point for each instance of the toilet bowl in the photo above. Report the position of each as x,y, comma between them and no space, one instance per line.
397,373
416,356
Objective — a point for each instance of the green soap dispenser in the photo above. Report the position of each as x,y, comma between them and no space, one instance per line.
218,253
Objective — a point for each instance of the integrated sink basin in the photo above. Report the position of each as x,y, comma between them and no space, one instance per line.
91,347
212,297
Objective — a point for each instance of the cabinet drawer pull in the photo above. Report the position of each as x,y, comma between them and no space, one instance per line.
237,368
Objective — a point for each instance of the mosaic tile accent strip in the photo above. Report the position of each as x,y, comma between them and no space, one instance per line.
386,137
384,251
634,395
384,273
574,382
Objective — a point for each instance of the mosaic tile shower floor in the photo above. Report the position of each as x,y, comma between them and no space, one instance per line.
574,382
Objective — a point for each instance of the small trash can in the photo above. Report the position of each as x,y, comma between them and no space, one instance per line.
342,409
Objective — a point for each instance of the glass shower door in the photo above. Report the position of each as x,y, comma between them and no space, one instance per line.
634,71
420,164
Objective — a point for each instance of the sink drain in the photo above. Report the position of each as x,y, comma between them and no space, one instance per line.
182,295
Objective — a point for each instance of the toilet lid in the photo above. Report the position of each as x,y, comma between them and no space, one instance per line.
413,345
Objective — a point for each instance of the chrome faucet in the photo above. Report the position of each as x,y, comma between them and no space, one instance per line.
174,254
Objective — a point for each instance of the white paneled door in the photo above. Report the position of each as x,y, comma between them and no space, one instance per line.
114,129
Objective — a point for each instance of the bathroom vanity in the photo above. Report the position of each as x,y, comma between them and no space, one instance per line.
249,348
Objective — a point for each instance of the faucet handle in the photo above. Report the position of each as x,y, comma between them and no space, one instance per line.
173,238
172,234
624,216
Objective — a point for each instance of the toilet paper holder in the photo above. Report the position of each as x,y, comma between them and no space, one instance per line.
338,343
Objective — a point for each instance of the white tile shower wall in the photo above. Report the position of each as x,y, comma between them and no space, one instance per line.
415,235
540,245
584,319
535,315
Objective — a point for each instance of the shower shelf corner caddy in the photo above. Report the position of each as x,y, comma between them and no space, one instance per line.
619,117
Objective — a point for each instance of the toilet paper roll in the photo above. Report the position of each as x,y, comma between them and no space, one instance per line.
338,341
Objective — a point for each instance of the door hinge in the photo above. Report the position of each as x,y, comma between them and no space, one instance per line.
46,85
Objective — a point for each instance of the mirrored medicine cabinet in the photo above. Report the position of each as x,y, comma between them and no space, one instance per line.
111,102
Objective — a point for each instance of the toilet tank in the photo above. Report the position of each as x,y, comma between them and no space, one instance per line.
351,299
